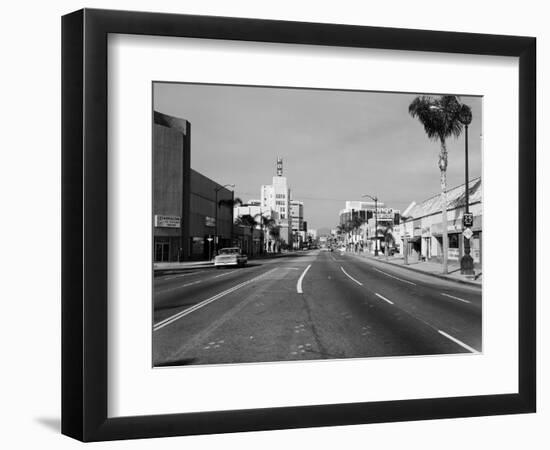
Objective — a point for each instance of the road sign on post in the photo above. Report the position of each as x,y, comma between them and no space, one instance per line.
467,233
467,220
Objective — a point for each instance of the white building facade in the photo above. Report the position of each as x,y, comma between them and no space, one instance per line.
276,197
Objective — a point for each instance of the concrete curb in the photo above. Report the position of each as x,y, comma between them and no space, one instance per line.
435,275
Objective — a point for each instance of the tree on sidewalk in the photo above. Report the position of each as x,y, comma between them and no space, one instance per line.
388,238
249,221
440,118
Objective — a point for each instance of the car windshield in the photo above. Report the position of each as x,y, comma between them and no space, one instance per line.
229,251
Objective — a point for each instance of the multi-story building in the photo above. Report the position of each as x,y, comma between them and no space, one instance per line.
361,209
189,220
297,215
276,196
297,223
254,210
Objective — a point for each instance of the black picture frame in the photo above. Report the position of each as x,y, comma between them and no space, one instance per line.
84,224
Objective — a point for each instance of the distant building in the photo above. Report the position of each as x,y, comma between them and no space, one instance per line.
354,208
276,196
254,210
297,215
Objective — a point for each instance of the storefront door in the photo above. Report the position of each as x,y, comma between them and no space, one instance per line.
162,250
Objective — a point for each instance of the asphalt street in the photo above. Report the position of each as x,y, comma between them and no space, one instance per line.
310,305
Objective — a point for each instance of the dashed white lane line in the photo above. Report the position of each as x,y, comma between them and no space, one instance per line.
182,275
456,341
178,287
299,284
350,277
224,274
187,311
383,298
456,298
396,278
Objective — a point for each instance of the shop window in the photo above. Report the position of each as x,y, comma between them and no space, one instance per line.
197,246
453,240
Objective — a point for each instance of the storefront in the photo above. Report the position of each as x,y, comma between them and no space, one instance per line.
422,224
456,239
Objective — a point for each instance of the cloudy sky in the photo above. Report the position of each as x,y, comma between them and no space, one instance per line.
336,145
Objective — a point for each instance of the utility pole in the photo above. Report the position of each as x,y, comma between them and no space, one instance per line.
375,222
466,262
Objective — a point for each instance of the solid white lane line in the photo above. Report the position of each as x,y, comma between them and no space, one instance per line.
299,284
397,278
224,274
456,298
383,298
350,277
456,341
187,311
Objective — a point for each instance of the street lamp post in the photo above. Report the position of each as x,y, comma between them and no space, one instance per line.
375,222
216,190
466,262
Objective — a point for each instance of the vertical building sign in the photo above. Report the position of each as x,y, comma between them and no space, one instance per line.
279,167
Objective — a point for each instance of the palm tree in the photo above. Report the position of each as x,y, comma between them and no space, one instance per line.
230,202
344,229
440,118
387,236
269,225
246,220
355,224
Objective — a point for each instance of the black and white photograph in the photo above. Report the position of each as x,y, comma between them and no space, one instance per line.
293,224
275,225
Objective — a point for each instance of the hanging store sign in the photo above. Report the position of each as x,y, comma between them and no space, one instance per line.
167,221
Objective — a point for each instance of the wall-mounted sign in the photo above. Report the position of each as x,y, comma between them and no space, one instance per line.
209,221
454,253
167,221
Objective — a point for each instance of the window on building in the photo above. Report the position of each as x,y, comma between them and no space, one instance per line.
453,240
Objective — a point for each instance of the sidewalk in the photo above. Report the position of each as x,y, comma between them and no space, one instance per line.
430,268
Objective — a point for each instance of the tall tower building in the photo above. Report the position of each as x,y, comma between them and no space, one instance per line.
276,196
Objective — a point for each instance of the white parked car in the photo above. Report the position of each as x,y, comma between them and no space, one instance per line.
230,256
